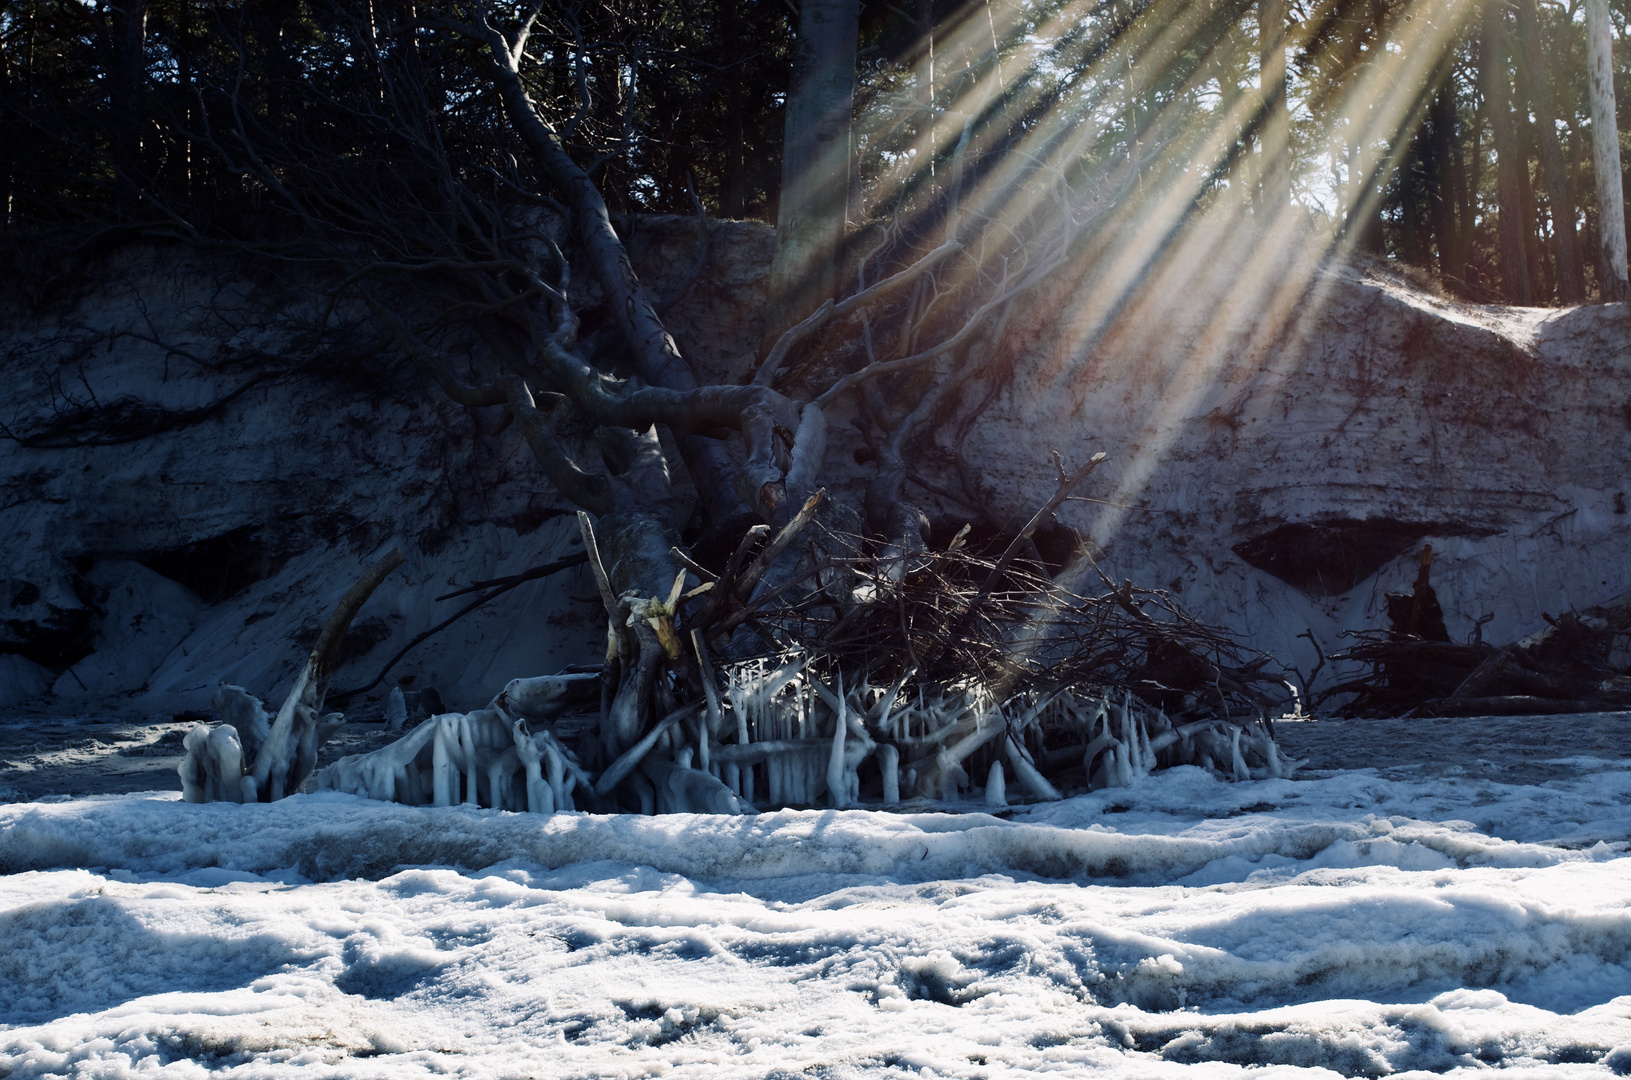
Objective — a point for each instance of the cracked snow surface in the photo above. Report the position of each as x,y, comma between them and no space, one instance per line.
1433,917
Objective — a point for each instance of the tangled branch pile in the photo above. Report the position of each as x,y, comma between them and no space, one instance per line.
880,675
1580,663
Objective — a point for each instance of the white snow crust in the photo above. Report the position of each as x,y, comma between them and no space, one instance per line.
1356,923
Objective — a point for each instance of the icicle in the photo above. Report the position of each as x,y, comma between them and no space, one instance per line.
382,782
396,710
952,775
996,791
441,759
467,745
226,765
811,774
732,776
500,776
889,765
539,794
774,779
837,786
561,780
1141,739
1027,772
408,791
887,703
194,773
1238,762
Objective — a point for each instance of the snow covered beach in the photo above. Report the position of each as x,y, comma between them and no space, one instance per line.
1459,913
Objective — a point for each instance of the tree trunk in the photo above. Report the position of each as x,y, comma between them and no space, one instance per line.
605,70
1413,231
127,68
923,87
1534,247
1470,164
733,200
1446,176
1571,281
1276,144
1508,197
815,164
1605,142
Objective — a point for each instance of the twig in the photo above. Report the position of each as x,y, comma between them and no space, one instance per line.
724,584
1066,485
508,584
526,575
692,565
591,550
756,570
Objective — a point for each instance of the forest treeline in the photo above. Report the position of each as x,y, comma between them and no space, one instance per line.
122,118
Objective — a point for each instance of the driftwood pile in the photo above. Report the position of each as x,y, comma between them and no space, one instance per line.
814,667
1578,663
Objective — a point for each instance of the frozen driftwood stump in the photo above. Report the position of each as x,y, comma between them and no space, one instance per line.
257,758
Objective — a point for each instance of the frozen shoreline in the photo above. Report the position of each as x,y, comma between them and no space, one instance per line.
1468,911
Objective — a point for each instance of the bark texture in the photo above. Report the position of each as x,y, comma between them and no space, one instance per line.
1571,281
1605,147
815,164
1509,161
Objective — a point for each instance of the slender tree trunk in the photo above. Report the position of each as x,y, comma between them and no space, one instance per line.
1123,16
1571,280
1541,280
127,64
1224,60
1471,165
1508,161
925,89
1446,173
606,72
1415,171
815,164
733,203
1275,88
1605,142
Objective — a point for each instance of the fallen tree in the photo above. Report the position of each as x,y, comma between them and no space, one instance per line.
454,223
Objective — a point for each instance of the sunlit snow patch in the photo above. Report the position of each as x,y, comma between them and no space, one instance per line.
1351,923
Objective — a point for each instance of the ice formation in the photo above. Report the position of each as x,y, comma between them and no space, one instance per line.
781,735
1458,918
